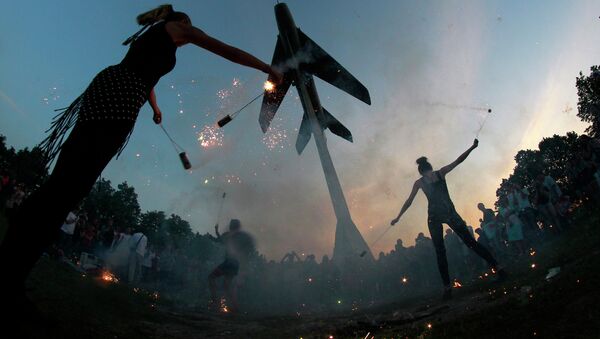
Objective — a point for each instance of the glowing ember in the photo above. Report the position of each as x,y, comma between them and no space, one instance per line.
269,86
429,326
404,280
310,280
457,284
532,253
532,265
223,94
109,277
275,138
210,137
223,305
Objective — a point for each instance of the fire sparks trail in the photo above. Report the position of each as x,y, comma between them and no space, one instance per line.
223,93
210,137
276,138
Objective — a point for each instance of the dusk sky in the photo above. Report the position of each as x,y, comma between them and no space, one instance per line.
432,68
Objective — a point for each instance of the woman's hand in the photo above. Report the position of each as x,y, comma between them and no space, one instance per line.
157,117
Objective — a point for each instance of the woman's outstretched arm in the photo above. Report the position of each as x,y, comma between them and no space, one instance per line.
199,38
408,201
446,169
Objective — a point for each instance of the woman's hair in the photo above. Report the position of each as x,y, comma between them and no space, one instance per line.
424,165
163,12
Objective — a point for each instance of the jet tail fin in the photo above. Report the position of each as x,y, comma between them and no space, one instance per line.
327,121
335,126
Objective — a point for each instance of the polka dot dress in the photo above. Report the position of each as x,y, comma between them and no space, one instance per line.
116,93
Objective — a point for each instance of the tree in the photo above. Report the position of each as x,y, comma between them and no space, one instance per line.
126,209
151,224
26,166
588,106
178,230
98,203
121,205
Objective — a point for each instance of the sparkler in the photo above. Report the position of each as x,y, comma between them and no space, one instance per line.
268,87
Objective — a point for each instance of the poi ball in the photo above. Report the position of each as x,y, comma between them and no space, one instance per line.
185,161
227,119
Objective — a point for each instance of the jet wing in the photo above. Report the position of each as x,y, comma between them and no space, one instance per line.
326,68
272,100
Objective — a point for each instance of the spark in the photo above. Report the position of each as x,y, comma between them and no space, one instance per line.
269,86
236,82
404,280
223,93
276,137
532,265
339,301
457,284
210,137
429,326
224,308
109,277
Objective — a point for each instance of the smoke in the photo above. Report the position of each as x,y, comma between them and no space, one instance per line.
303,56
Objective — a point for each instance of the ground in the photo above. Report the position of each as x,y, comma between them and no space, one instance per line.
526,305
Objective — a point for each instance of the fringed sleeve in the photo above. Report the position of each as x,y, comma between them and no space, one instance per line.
61,124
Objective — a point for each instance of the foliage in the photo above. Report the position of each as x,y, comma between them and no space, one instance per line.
588,106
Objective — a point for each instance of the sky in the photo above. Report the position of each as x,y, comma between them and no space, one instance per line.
432,69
